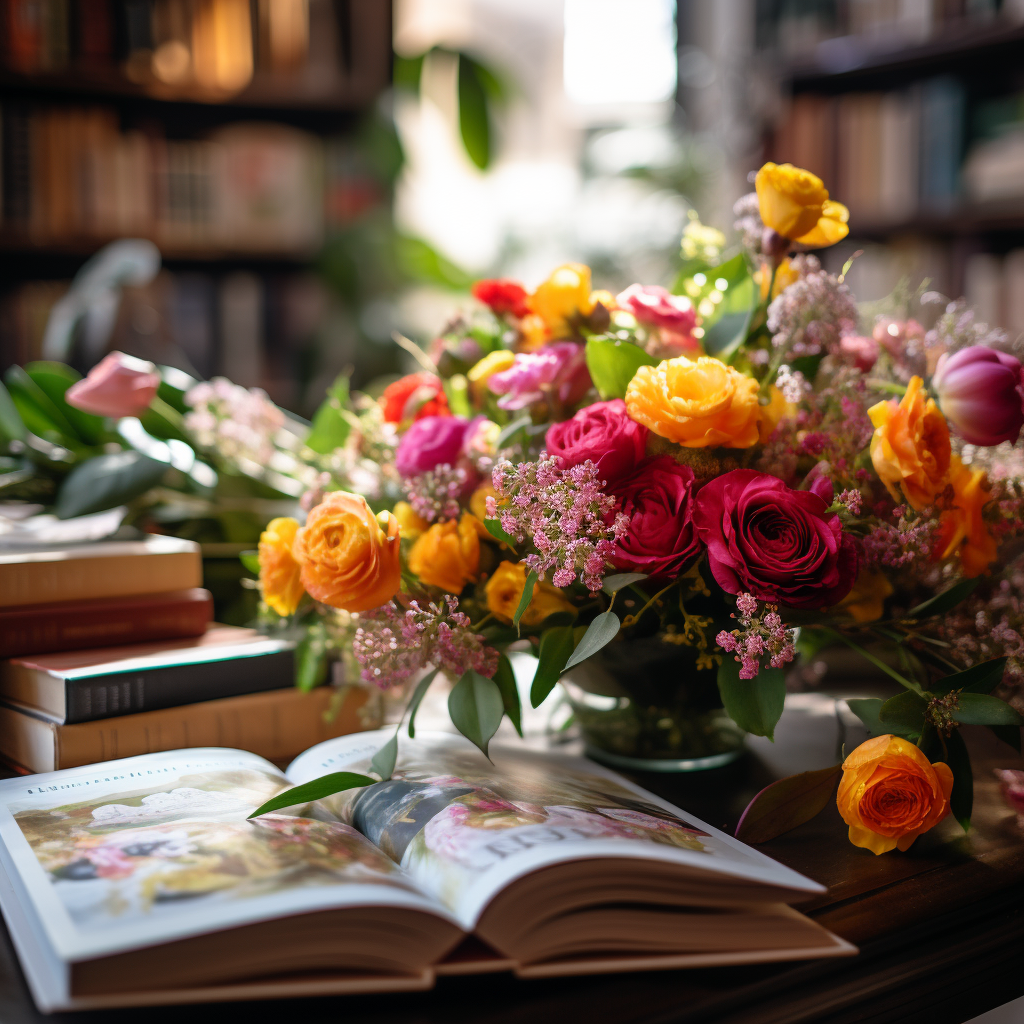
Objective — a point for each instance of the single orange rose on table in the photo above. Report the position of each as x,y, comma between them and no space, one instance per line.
890,794
279,571
349,557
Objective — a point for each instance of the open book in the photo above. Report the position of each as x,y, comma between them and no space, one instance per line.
120,880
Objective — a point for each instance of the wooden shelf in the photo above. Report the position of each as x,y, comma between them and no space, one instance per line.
1002,218
851,62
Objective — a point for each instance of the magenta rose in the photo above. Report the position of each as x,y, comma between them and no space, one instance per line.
981,392
657,499
603,433
430,442
118,385
778,544
558,369
652,304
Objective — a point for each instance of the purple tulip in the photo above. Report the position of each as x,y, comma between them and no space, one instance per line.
560,368
431,441
981,392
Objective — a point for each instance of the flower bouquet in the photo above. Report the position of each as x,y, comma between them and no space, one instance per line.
733,473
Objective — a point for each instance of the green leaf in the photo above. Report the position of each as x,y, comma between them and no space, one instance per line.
476,708
961,800
11,426
753,704
601,631
556,647
946,601
785,804
54,379
984,709
383,762
330,427
867,710
613,364
311,659
525,598
505,679
420,261
510,429
326,785
33,402
417,698
1009,734
107,481
493,527
474,117
407,71
251,561
620,580
726,334
981,678
904,712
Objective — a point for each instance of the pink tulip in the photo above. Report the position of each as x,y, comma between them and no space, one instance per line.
652,304
119,385
981,392
560,368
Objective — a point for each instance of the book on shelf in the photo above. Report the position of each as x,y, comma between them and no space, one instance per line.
275,724
116,568
81,686
537,863
77,625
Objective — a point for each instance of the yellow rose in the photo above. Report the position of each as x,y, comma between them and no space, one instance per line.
698,403
279,571
785,275
348,561
410,522
771,414
963,530
535,333
562,297
447,555
910,448
494,362
890,794
505,590
795,203
866,601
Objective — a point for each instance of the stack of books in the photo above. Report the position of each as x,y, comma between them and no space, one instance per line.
109,651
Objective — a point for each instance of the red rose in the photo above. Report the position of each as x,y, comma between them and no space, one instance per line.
657,499
414,396
502,295
603,433
778,544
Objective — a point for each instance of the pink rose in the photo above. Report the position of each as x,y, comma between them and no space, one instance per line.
778,544
859,351
657,499
118,385
559,369
652,304
981,393
603,433
430,442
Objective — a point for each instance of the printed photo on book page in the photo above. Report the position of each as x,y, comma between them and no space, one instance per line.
159,847
463,827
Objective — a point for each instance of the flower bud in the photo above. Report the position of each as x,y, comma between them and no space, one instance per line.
980,391
117,386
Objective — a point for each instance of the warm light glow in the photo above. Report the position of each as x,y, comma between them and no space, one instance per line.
222,44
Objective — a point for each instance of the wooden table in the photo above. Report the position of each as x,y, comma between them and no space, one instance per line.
941,932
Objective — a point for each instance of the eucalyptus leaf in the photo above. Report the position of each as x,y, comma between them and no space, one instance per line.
107,481
493,527
613,364
985,709
331,428
981,678
961,799
867,710
474,116
326,785
11,426
726,335
600,632
904,712
556,646
505,679
417,698
476,708
525,598
383,762
620,580
251,561
755,705
787,803
946,601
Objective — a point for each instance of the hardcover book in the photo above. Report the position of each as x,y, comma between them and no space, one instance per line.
144,881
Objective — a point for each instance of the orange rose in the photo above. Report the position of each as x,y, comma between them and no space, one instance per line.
910,447
448,554
279,571
890,794
348,561
785,275
698,403
962,529
771,414
410,522
505,590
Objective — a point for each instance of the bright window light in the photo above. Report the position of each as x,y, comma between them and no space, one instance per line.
620,51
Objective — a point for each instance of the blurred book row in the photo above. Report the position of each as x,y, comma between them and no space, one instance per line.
107,650
72,176
892,155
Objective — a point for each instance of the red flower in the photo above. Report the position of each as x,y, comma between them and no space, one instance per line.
605,434
778,544
414,396
502,296
657,499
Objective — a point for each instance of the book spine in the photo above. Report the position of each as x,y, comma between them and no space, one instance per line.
83,579
42,630
126,693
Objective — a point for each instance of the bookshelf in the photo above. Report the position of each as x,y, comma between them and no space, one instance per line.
914,114
225,131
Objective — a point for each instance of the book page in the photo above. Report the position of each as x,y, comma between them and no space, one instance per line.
158,847
463,828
